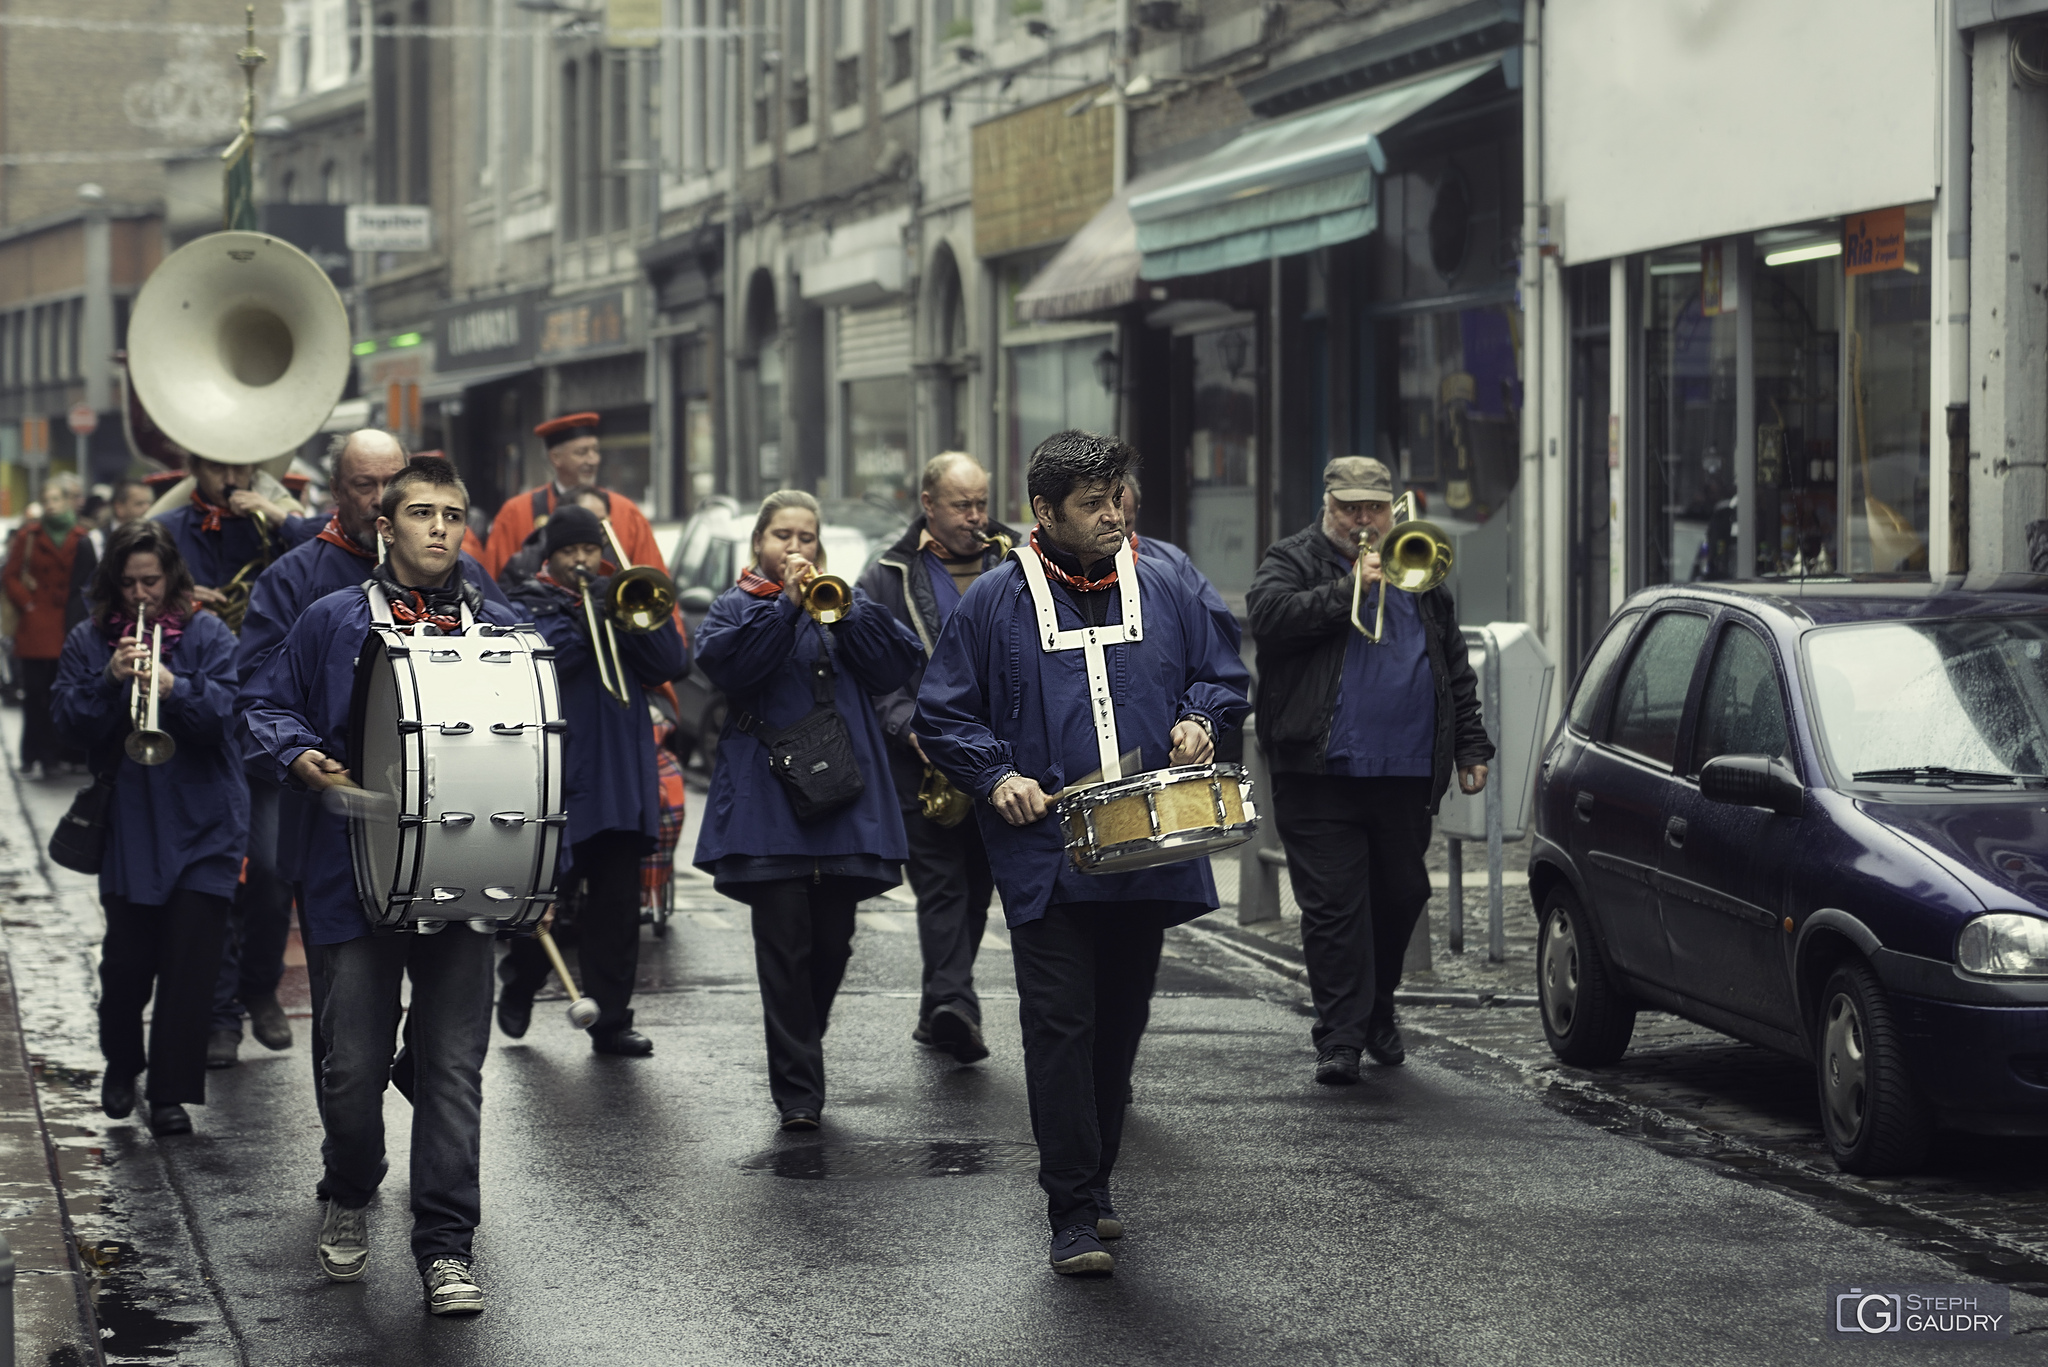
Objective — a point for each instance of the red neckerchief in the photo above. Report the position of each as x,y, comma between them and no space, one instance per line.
123,625
214,512
418,612
758,584
333,535
1072,581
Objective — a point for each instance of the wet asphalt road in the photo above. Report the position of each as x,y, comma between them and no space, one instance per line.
648,1212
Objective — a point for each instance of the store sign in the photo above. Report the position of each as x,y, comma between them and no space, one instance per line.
486,332
1039,176
1874,242
390,227
632,23
592,324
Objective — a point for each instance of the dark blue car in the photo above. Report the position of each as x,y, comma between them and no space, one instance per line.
1814,815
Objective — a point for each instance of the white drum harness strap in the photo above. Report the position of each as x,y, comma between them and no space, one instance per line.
1090,641
380,609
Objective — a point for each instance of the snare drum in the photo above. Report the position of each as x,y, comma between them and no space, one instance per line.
464,733
1157,818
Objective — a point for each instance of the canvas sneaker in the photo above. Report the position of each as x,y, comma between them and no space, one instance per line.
344,1241
452,1288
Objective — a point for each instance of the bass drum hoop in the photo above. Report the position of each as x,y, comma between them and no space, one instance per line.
378,649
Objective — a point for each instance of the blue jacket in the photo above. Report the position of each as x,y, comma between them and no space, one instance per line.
303,576
183,824
608,754
1197,582
298,700
760,652
213,557
993,700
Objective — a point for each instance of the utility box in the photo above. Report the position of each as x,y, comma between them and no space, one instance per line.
1515,669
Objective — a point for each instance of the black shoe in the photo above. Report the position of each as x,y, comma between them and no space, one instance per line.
1108,1224
168,1120
222,1046
1337,1067
799,1118
1077,1251
629,1043
958,1033
117,1095
515,1014
1383,1042
268,1024
921,1032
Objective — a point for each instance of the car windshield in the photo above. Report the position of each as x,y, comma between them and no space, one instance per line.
1950,701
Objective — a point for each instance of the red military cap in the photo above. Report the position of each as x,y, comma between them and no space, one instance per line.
568,427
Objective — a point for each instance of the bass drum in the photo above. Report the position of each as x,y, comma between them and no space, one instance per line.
464,734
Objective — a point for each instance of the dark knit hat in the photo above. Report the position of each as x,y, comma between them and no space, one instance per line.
571,526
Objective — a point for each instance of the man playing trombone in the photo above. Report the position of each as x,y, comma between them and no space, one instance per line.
610,781
1360,737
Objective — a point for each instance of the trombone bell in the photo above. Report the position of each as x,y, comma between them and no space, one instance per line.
641,597
1415,557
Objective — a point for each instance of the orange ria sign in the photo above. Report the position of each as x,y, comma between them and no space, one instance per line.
1874,242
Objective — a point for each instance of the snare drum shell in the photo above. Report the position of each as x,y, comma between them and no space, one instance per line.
1110,828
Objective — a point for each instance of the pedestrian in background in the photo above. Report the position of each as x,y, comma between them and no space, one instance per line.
38,581
175,831
803,879
1360,740
126,502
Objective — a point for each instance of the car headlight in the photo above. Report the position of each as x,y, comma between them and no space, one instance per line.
2005,944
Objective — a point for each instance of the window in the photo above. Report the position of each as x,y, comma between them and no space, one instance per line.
330,184
1742,711
952,24
762,66
850,33
1652,695
573,202
897,30
878,442
295,53
796,59
1587,695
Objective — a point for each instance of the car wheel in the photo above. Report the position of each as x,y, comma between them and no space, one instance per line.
1586,1018
1875,1121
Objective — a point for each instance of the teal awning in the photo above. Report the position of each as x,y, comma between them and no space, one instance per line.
1281,188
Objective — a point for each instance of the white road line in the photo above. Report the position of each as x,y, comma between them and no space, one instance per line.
895,922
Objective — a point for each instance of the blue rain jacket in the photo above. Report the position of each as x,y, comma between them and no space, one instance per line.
993,701
213,557
183,824
297,701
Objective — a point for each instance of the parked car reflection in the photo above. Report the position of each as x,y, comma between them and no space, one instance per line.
1813,816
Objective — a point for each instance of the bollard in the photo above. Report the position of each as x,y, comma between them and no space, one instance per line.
6,1302
1455,927
1261,863
1496,933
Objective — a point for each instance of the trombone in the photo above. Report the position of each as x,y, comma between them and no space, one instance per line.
1415,556
639,600
147,744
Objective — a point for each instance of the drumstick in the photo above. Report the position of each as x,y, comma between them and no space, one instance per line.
1128,762
359,804
583,1010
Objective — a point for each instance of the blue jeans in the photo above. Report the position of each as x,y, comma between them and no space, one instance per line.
451,1027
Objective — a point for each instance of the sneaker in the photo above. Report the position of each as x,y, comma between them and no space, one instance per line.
222,1046
1337,1067
958,1033
1108,1224
1383,1042
1077,1251
268,1024
344,1242
452,1288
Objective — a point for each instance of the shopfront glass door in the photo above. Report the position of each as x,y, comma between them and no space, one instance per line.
1798,350
1688,424
878,464
1222,456
1888,321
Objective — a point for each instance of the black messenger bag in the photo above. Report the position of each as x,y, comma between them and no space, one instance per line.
813,756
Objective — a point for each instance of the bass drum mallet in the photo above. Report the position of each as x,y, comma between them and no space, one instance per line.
582,1009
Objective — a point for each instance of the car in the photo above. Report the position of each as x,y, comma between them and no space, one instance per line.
1813,815
714,545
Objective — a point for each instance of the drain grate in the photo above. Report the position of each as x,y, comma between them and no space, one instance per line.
889,1159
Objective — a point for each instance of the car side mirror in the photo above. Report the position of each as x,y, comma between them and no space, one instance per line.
696,599
1753,781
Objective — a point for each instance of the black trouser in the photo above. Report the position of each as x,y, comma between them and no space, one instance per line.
173,952
607,932
1084,986
1355,851
260,923
803,936
948,870
38,734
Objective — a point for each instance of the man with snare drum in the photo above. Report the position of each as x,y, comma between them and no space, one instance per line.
1056,662
298,705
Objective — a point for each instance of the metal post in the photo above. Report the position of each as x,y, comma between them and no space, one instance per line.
1455,926
1496,935
1260,861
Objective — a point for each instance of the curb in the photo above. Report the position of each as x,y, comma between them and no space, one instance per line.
1287,961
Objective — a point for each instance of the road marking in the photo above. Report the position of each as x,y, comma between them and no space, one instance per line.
710,920
1476,878
895,922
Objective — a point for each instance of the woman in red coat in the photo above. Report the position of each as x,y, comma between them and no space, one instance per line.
38,581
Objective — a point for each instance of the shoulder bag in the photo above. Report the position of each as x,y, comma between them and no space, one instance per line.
813,757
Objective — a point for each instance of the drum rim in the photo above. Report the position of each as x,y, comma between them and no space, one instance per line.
1213,838
1152,780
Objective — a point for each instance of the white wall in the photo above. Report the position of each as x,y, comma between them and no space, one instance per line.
1669,121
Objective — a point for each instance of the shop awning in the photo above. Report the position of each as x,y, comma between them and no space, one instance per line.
1282,188
1096,270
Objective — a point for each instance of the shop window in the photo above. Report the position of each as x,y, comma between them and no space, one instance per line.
878,467
1223,455
1888,308
1052,387
1689,468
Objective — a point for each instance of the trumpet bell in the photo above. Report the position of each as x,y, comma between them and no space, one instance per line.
239,347
828,598
1416,556
640,599
150,748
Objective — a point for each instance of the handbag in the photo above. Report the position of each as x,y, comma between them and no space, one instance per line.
813,756
80,841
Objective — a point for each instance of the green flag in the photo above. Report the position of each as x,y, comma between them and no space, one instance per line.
241,187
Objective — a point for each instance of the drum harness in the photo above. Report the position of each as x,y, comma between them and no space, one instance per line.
380,612
1090,641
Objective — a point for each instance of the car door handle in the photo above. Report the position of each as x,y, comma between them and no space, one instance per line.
1582,804
1674,832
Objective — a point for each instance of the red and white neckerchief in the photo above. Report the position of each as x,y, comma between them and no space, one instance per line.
1073,581
758,584
214,512
333,535
417,612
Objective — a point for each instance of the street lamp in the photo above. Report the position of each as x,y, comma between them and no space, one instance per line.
1108,369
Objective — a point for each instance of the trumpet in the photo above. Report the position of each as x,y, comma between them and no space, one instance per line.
1415,556
939,802
827,597
147,744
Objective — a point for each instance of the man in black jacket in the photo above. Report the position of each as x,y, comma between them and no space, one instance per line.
1360,740
921,580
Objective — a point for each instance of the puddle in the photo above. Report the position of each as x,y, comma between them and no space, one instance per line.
890,1159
